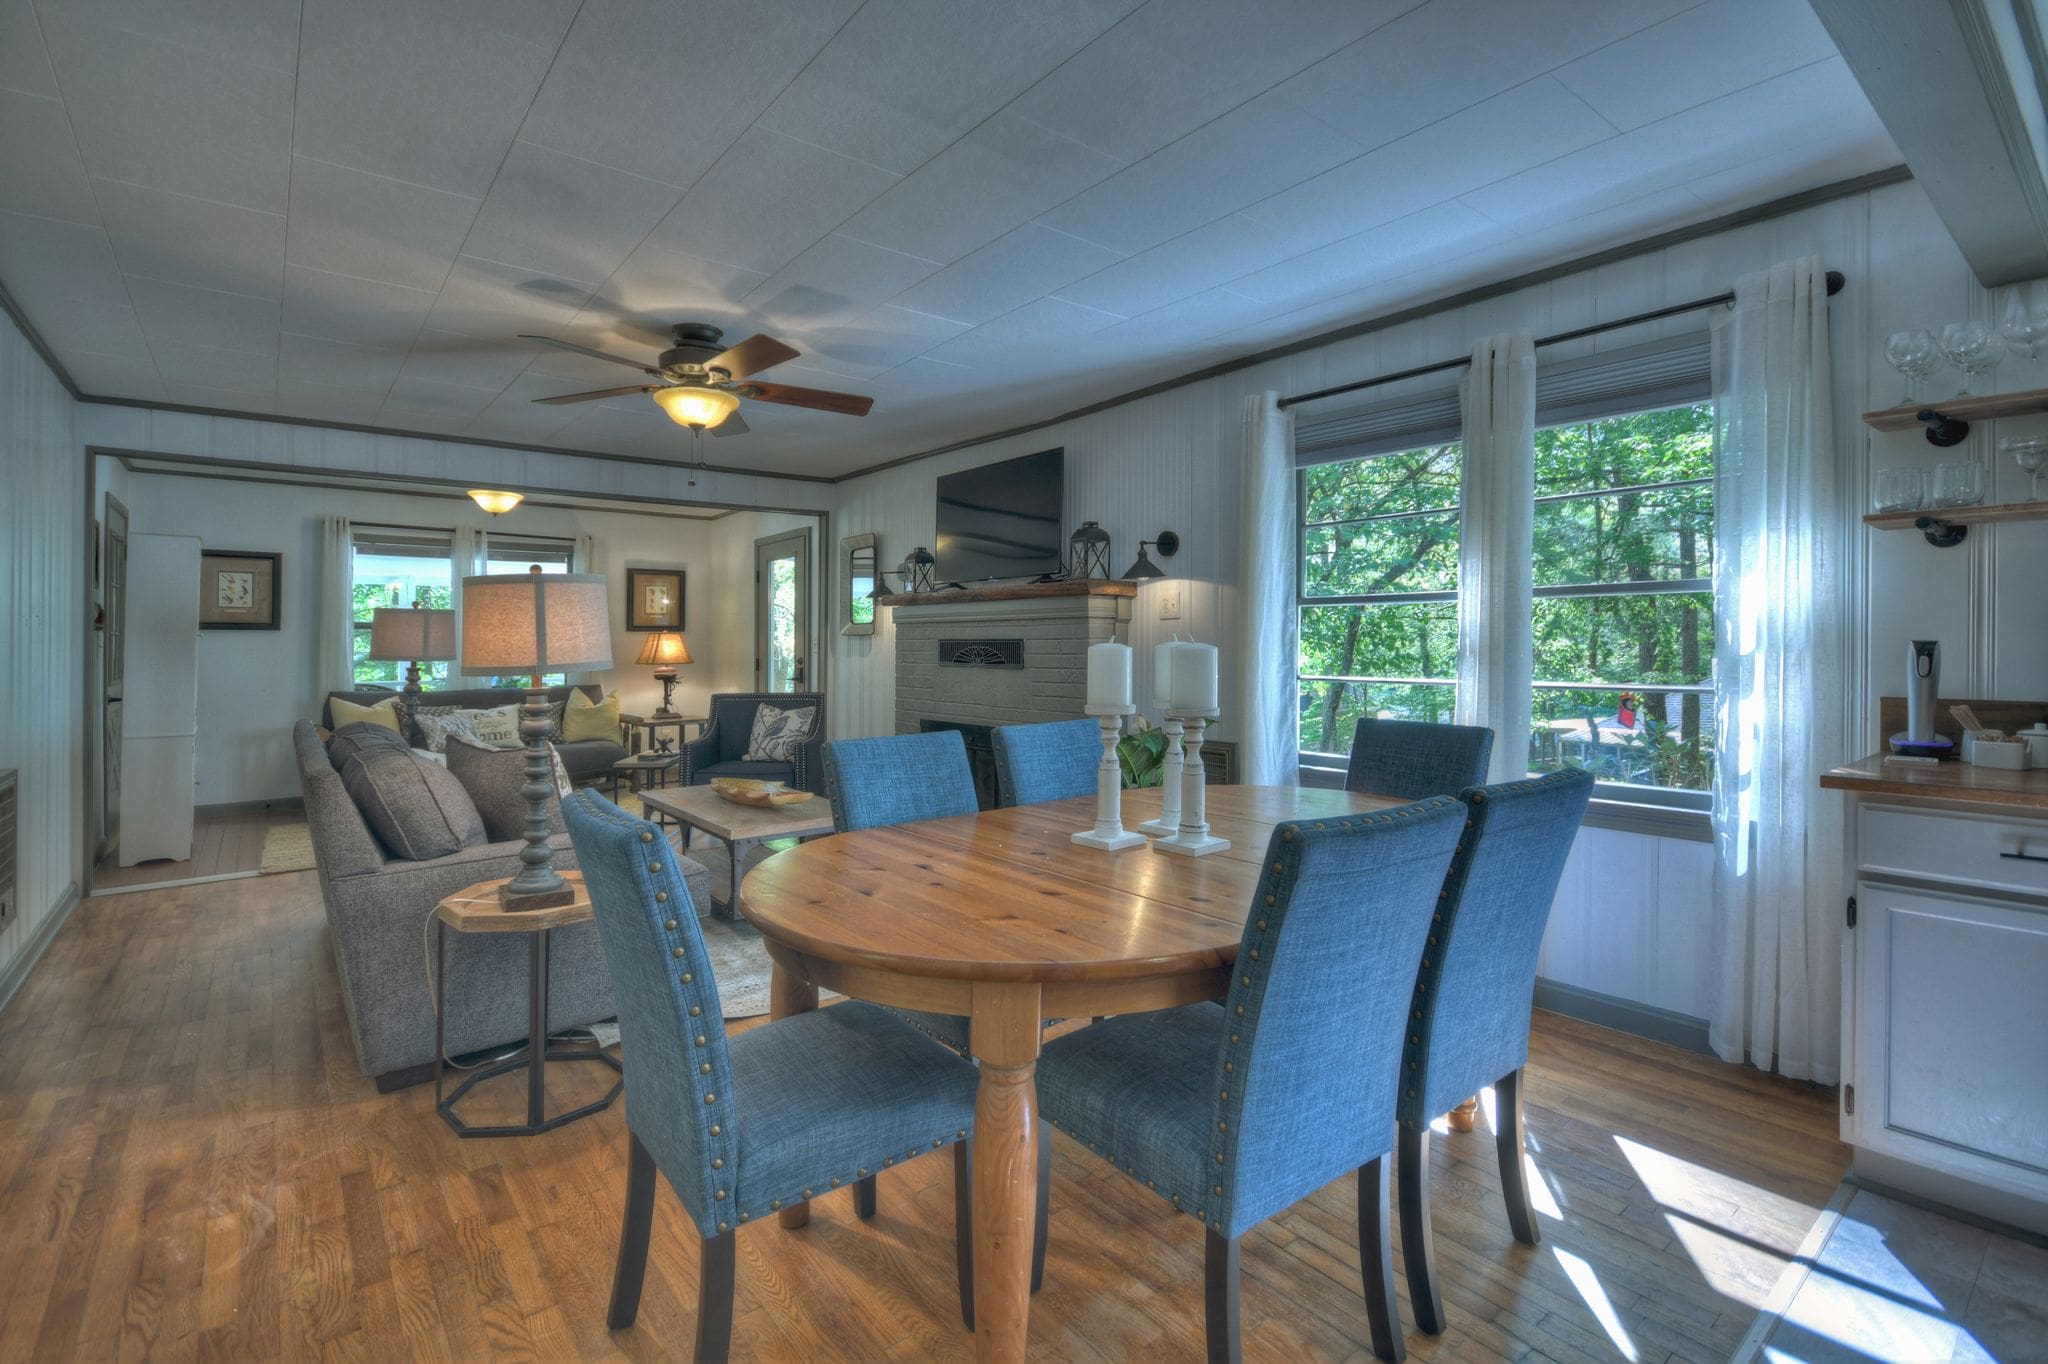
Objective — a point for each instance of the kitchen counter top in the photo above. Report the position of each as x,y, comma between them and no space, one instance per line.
1949,780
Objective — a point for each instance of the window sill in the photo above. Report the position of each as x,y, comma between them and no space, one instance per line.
1622,816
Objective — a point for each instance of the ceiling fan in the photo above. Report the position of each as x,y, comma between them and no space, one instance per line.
701,380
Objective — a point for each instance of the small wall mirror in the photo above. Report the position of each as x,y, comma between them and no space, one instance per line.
862,554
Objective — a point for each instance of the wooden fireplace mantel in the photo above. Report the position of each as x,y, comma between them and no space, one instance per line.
1073,587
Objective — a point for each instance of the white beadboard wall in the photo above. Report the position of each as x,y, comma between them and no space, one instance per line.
1636,910
254,683
43,625
285,445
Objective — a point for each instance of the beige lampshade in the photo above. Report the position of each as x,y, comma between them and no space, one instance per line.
664,648
400,634
535,623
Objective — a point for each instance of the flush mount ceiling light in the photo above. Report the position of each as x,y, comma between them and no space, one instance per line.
702,408
495,502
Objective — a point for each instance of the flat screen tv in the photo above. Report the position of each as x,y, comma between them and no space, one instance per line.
1001,520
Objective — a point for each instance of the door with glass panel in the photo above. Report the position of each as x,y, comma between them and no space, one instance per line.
782,612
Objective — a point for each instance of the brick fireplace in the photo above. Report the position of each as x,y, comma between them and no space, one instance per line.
974,659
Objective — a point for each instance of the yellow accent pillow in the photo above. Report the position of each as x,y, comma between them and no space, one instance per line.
588,719
384,713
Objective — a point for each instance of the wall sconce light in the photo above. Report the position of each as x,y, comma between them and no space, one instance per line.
1168,545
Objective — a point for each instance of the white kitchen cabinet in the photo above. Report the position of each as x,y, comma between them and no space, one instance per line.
1945,1007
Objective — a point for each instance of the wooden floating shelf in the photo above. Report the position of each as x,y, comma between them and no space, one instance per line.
1959,516
1970,409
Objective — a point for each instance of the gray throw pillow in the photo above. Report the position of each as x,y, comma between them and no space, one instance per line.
778,733
418,811
364,736
492,777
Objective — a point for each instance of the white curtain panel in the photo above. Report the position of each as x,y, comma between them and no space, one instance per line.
333,656
466,559
1269,670
1497,507
1778,666
585,561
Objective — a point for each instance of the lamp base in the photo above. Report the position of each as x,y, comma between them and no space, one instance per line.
545,899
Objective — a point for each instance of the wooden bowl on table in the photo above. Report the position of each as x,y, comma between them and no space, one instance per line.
750,791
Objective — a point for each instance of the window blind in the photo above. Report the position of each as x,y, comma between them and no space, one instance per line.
1633,379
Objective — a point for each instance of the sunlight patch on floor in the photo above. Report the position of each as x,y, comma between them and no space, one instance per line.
1717,1218
1588,1284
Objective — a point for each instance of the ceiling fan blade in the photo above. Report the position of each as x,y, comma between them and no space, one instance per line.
735,425
751,356
594,394
850,404
593,354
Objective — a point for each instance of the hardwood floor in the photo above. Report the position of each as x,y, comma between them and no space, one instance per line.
222,844
192,1165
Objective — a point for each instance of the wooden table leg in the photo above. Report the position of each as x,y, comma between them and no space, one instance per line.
1005,1032
788,995
1460,1118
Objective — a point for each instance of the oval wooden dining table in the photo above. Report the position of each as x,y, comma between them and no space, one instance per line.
1000,918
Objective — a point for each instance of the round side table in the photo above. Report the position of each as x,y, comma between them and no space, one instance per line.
477,909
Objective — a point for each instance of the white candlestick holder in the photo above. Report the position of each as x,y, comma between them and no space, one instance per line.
1168,823
1109,833
1193,838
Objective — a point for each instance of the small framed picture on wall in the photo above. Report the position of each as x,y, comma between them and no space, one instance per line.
654,598
238,589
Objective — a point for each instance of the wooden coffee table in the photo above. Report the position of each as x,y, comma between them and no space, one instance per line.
737,826
477,909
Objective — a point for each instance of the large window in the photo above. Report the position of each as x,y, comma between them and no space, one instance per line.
398,567
1622,609
404,566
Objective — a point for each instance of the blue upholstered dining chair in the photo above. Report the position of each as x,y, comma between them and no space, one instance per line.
901,779
1411,759
1235,1110
1470,1024
739,1126
1037,763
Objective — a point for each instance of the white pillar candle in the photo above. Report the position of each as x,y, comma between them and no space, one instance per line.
1162,672
1194,679
1109,674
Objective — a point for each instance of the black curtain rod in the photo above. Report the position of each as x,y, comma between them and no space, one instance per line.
1835,282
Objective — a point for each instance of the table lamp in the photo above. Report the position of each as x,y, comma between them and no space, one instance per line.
411,635
536,623
664,649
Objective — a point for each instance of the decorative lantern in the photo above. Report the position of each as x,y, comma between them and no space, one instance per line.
918,570
1088,552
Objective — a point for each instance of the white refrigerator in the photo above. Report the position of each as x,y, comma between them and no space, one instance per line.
160,701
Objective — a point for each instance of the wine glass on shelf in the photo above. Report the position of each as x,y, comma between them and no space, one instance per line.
2031,454
1972,348
2025,328
1914,354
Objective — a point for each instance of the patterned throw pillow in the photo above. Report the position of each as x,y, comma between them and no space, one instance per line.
498,727
779,733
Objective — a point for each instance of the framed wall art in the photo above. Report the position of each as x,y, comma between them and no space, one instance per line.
654,598
238,589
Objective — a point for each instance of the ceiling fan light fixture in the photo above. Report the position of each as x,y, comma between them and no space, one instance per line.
691,405
494,501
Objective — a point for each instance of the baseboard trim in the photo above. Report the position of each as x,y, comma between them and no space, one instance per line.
1624,1015
17,974
102,892
250,807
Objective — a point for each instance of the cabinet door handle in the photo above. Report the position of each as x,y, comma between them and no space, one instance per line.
2024,857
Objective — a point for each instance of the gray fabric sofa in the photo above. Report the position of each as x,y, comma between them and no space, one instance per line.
378,912
586,759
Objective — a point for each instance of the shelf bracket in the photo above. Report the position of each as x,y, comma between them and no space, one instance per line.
1942,430
1941,534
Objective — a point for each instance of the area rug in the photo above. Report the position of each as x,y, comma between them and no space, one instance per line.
740,964
287,847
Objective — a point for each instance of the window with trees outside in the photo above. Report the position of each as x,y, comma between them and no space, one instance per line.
399,566
1623,609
